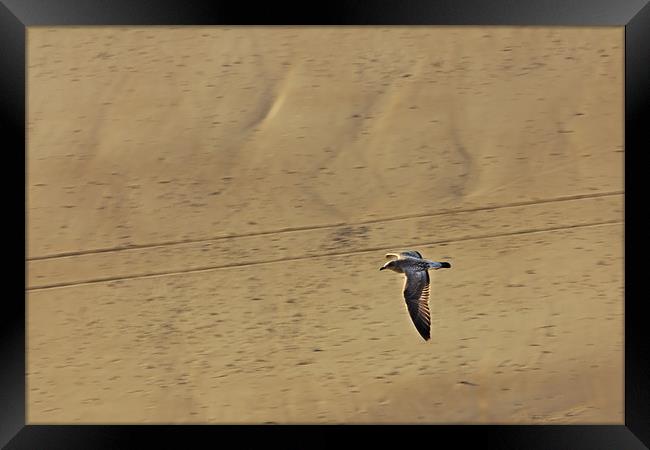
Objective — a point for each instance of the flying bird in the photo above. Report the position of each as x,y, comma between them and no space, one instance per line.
416,285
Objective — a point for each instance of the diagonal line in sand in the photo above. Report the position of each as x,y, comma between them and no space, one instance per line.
325,226
249,263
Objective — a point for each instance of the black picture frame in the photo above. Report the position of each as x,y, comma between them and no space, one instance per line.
16,15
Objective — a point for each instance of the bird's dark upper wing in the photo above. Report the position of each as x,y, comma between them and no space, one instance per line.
412,254
416,294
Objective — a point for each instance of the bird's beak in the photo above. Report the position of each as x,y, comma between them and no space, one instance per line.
382,268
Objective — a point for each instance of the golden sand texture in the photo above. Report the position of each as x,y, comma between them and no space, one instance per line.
207,209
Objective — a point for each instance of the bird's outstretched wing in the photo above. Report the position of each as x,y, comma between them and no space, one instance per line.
416,294
412,254
402,255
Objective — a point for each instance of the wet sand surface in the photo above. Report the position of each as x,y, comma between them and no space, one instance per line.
208,208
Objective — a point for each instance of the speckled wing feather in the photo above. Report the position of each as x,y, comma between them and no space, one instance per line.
402,255
412,254
416,294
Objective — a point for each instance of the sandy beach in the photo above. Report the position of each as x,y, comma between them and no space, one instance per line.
207,208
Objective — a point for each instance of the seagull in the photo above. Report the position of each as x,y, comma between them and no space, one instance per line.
416,285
